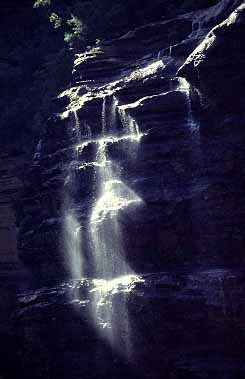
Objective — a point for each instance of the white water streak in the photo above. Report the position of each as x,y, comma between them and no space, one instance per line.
184,86
112,316
37,154
77,126
71,225
129,124
87,131
113,113
106,240
72,239
114,195
103,116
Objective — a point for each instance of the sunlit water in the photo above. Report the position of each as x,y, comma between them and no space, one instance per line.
71,226
110,311
103,116
110,268
185,87
77,128
72,239
114,278
129,124
37,154
196,156
113,197
192,123
87,133
113,275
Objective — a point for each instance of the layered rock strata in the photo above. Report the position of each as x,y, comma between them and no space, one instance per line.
188,165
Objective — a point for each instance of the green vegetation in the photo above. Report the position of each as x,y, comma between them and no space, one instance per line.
77,31
55,20
74,31
38,45
83,22
41,3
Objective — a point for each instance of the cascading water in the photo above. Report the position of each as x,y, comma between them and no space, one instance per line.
72,239
109,114
37,154
131,127
87,131
114,195
113,113
105,235
111,268
195,153
184,86
103,116
71,225
77,126
112,317
129,124
192,122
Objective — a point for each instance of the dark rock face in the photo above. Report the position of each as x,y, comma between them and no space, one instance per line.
217,63
187,167
12,274
140,171
171,325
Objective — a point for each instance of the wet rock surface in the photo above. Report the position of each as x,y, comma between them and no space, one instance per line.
166,325
187,167
141,170
216,63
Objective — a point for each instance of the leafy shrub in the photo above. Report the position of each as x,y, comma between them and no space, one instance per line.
41,3
55,20
77,31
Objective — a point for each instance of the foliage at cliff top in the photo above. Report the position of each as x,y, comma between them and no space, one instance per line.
37,37
40,3
82,22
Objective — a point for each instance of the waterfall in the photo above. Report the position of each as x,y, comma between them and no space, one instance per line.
184,86
196,156
87,131
109,114
113,113
71,226
114,195
112,317
192,123
72,238
77,127
103,116
131,128
129,124
110,266
104,239
37,154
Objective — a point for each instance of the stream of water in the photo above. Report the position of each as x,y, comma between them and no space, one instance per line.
110,268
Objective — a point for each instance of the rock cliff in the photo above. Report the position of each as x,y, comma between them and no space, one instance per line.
171,325
160,96
134,198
